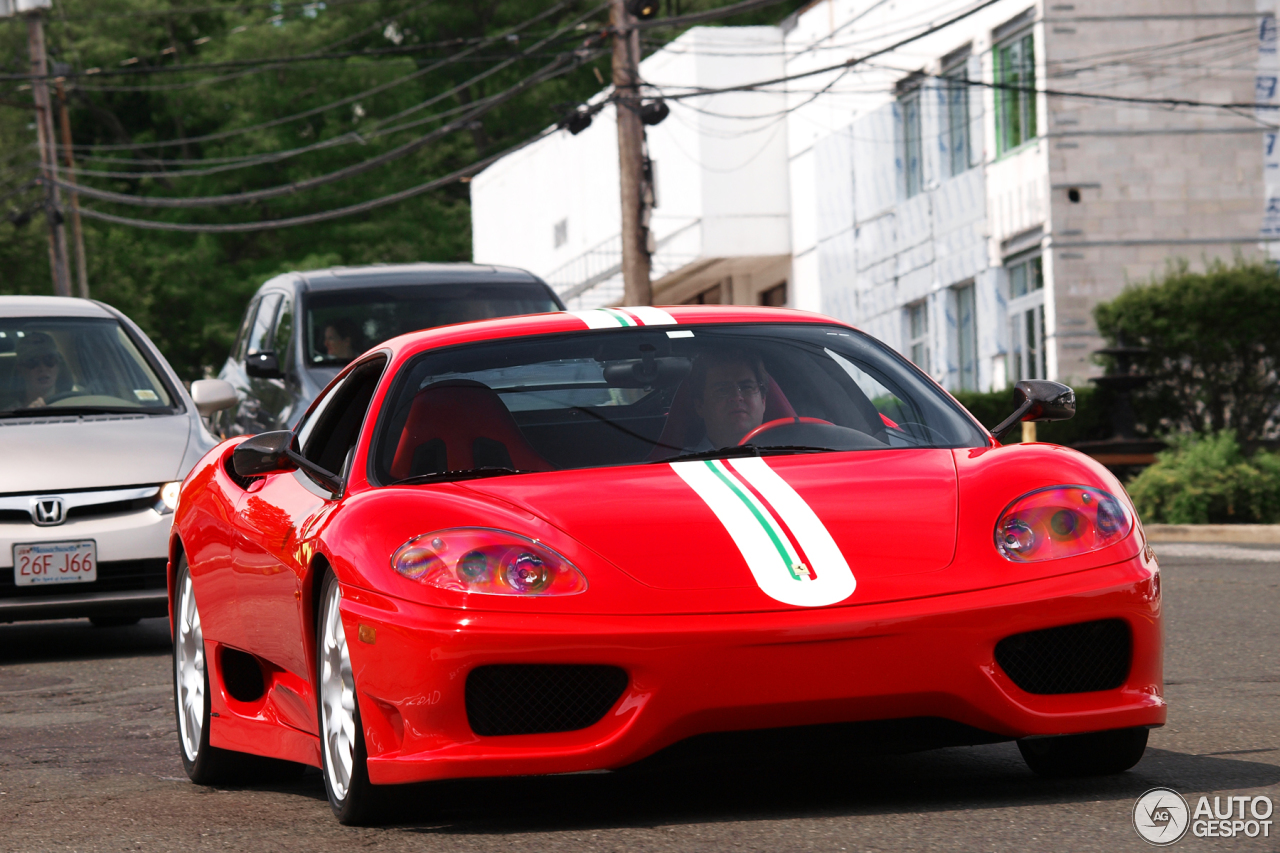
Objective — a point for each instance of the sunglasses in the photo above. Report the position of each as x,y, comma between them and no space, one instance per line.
35,361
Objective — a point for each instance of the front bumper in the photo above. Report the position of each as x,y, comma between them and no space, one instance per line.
694,674
132,552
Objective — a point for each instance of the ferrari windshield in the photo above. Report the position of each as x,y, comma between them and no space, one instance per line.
341,324
75,364
641,395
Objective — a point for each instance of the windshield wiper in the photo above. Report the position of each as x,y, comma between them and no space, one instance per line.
744,450
56,411
462,474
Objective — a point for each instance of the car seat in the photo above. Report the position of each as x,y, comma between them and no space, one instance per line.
460,424
684,428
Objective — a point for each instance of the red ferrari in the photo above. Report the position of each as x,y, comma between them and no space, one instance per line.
563,542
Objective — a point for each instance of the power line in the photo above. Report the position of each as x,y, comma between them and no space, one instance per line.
350,171
225,134
313,218
218,9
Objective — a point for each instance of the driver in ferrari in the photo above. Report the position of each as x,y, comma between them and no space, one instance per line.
729,387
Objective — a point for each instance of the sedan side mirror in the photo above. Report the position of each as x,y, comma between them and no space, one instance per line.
1038,400
265,453
212,395
263,365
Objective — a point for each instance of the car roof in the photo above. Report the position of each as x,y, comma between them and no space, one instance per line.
51,306
384,275
577,321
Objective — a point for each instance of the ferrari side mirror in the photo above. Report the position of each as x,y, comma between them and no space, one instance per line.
265,453
1038,400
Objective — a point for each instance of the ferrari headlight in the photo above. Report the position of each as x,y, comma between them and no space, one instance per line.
167,499
487,561
1061,521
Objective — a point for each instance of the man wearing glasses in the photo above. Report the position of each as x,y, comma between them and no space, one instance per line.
730,387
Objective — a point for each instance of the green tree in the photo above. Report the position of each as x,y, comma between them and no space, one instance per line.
1214,341
188,291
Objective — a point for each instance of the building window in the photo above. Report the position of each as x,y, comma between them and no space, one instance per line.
967,337
561,233
774,297
1026,319
913,149
955,90
1015,74
918,334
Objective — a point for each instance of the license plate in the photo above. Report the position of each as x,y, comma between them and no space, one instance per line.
39,563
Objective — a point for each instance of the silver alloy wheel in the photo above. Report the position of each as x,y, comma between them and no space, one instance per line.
189,663
337,697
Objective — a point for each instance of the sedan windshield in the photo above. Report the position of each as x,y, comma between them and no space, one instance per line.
642,395
343,324
68,364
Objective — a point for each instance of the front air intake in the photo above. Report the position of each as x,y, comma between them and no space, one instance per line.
1076,658
528,699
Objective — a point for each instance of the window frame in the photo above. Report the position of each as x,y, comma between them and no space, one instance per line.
273,299
910,105
303,433
956,100
918,339
1023,102
1028,351
966,350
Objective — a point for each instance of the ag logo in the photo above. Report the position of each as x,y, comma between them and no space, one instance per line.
1161,816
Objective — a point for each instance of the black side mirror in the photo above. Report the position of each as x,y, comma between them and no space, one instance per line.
265,453
263,365
1038,400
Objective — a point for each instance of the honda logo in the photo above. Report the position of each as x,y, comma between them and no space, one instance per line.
46,512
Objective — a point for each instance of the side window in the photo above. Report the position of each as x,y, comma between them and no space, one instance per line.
282,337
259,334
329,433
242,337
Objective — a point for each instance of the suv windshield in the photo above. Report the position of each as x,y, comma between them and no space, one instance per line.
343,324
79,364
640,395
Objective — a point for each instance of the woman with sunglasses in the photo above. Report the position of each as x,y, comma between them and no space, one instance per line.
39,370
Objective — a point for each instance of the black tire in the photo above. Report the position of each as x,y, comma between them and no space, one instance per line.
114,621
1093,754
208,765
355,801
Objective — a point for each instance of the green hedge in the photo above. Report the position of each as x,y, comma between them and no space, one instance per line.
1209,480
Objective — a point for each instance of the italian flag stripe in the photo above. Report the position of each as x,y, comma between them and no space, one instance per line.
778,535
613,318
762,515
621,317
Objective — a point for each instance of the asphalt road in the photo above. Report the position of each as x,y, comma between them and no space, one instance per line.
89,761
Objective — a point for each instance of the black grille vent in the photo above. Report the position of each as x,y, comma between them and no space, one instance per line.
528,699
230,468
1071,659
112,577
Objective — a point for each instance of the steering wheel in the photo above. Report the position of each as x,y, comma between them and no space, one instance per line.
779,422
53,398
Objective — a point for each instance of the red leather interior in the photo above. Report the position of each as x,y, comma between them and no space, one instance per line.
458,420
684,428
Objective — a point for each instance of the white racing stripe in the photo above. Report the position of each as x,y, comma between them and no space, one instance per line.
651,316
761,540
597,319
835,580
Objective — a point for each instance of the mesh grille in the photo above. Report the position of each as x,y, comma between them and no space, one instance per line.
112,577
1070,659
527,699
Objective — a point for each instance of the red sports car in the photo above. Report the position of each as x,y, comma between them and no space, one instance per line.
566,541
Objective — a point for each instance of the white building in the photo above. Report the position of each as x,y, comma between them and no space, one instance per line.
937,194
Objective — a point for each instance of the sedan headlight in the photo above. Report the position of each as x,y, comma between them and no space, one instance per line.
1061,521
487,561
167,497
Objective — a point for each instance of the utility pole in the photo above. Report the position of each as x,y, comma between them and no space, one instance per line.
637,288
77,234
48,156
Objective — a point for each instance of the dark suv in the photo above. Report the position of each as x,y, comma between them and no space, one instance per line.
301,327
